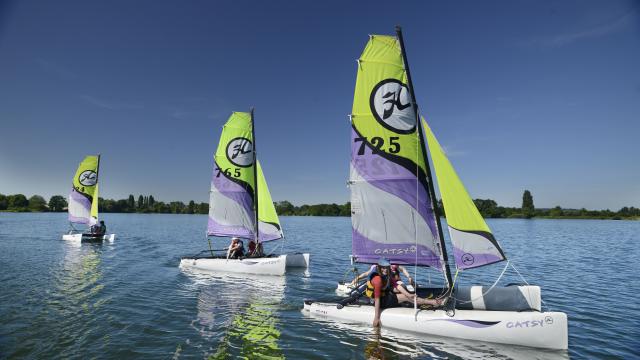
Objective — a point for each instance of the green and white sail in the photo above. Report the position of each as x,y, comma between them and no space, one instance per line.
391,210
83,198
232,197
235,181
268,222
473,243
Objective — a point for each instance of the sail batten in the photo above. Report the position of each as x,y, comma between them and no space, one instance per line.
391,211
473,243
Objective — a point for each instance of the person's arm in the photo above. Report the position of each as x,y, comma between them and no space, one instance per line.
376,316
230,250
361,276
377,285
406,273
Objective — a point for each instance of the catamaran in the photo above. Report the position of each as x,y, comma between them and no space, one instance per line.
240,205
393,214
83,202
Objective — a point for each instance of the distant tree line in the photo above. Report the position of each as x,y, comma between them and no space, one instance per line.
489,209
147,204
285,208
144,204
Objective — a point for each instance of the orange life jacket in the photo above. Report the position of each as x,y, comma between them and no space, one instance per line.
370,289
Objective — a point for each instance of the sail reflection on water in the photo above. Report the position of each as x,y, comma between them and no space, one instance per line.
74,305
238,316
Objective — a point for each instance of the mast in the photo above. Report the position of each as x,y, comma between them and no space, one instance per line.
98,170
255,176
443,248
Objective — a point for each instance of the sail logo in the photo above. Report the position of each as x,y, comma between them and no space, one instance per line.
240,152
390,103
467,259
396,251
88,178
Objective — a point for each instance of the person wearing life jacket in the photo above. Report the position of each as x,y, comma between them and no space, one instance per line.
380,289
395,272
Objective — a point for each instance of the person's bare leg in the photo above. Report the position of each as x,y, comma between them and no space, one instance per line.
433,302
402,298
403,291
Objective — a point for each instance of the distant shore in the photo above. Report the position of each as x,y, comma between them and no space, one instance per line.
632,218
146,204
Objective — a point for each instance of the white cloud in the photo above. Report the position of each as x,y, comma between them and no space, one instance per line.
617,24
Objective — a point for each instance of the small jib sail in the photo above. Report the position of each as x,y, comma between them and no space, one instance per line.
268,222
392,210
473,242
83,198
233,201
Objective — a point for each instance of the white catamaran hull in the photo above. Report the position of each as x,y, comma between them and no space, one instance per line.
297,260
535,329
264,266
79,237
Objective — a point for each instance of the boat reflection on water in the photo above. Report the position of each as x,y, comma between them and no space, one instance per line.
237,315
392,344
78,281
73,308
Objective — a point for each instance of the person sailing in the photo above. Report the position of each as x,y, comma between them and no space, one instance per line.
380,292
395,271
236,249
99,229
103,228
255,250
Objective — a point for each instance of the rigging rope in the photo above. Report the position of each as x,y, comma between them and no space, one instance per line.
276,247
486,292
525,281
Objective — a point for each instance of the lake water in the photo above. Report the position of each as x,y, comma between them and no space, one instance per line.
129,299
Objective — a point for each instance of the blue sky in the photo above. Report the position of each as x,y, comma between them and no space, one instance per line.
531,95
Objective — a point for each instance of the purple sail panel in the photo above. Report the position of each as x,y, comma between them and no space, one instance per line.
391,210
268,237
394,179
369,251
230,209
268,231
79,207
216,229
469,259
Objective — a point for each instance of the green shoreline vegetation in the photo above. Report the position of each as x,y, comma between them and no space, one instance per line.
148,205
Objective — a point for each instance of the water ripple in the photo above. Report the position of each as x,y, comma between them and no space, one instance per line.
128,299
